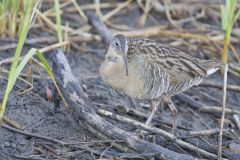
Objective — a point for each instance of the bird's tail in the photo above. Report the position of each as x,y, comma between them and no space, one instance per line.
211,66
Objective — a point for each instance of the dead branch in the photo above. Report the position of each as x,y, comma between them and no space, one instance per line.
207,132
216,85
218,110
157,131
135,112
237,121
101,28
33,135
12,123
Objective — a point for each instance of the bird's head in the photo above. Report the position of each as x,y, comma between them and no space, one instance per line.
117,51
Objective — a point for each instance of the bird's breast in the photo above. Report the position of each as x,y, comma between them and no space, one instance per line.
115,76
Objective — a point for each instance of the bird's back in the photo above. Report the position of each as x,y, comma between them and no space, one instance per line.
167,70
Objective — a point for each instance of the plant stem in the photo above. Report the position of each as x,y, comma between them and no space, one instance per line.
224,57
223,112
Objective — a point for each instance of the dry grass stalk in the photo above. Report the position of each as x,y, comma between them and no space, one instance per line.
12,123
116,10
93,6
207,132
42,50
223,112
218,110
80,10
146,11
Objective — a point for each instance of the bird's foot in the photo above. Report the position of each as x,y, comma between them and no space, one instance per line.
147,136
173,109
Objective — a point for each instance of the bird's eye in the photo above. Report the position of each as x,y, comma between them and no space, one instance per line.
117,44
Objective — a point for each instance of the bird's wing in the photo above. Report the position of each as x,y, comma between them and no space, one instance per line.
156,80
178,65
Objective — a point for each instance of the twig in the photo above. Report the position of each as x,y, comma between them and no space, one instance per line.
101,27
79,10
202,107
223,112
93,6
146,10
217,85
8,46
140,4
72,31
159,30
32,41
205,132
235,53
31,157
118,146
168,14
34,135
157,131
116,10
97,8
135,112
42,50
132,155
218,110
62,5
3,70
53,152
237,121
12,122
107,149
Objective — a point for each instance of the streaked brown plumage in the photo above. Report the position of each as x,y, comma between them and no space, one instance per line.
147,69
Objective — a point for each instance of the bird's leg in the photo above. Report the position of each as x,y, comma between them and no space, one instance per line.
161,107
173,109
154,109
134,103
174,115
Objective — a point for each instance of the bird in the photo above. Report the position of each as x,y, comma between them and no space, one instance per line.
146,69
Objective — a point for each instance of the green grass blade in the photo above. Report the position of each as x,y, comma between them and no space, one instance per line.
14,15
233,4
13,78
3,14
45,64
58,21
22,38
224,19
13,70
236,16
15,5
228,18
49,71
21,65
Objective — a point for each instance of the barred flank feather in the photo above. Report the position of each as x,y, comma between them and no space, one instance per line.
168,71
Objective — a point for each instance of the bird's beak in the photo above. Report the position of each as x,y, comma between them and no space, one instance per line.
124,52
